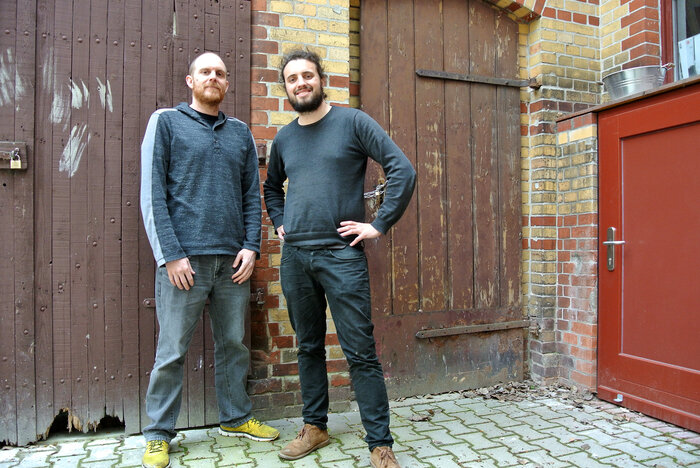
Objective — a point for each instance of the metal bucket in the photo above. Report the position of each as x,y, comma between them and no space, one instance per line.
634,80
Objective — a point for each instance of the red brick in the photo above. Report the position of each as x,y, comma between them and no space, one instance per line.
588,219
640,38
283,342
593,20
543,244
585,329
264,133
585,119
564,233
563,256
644,25
285,369
570,244
571,220
258,89
563,302
642,13
583,353
337,365
564,15
549,12
354,89
339,81
260,103
264,18
258,5
589,342
564,125
340,380
645,49
587,381
564,279
543,220
258,32
585,232
586,367
580,18
264,47
569,338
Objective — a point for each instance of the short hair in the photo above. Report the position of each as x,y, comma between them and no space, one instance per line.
302,54
192,64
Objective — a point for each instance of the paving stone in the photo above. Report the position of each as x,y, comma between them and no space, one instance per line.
132,443
68,449
502,420
9,464
10,455
673,452
623,461
641,440
571,424
554,447
527,433
480,407
542,457
490,430
502,455
461,452
478,442
583,459
456,427
111,463
601,437
443,461
405,434
536,422
130,458
440,436
634,451
515,445
68,461
425,449
594,449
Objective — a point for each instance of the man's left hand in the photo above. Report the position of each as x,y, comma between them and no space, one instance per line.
246,260
361,230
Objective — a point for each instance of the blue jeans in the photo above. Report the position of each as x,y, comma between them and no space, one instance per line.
309,278
178,313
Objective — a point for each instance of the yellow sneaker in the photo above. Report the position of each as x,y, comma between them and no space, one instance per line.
252,429
156,455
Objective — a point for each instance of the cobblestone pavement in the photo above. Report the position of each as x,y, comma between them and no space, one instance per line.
441,431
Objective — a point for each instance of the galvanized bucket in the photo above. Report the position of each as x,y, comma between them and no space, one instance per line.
635,80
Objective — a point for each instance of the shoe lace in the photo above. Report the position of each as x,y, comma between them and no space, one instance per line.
254,422
386,454
302,432
155,446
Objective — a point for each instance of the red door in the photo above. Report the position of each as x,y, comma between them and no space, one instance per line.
649,311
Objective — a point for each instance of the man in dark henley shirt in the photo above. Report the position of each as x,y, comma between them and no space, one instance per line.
323,155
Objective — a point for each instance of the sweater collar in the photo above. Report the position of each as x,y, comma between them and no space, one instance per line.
186,109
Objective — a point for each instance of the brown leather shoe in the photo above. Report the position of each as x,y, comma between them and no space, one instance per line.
309,439
383,457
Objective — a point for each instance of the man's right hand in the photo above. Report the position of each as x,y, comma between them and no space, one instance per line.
281,233
180,273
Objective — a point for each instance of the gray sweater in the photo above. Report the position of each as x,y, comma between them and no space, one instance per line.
200,189
325,163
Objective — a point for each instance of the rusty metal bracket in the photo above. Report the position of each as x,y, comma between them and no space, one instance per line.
516,83
467,329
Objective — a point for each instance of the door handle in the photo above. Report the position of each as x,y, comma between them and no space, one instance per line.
610,244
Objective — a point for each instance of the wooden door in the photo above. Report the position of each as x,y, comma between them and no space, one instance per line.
649,312
78,82
446,281
18,329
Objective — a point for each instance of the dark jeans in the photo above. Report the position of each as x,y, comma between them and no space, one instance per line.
309,278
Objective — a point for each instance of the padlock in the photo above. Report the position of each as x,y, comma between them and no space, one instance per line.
16,163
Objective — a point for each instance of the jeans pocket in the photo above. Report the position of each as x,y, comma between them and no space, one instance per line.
347,253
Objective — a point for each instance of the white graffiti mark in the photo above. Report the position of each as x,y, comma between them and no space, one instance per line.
105,92
11,84
70,159
59,109
79,95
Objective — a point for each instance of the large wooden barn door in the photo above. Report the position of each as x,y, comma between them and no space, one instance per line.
78,82
446,284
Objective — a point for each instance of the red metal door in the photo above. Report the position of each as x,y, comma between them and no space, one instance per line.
649,314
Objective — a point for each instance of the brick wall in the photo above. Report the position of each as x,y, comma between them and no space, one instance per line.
278,27
567,46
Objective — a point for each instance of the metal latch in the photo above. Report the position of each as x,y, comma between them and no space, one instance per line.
610,244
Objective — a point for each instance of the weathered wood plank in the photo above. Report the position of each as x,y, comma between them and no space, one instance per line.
484,157
60,198
507,108
241,77
460,228
95,210
135,316
24,224
227,50
148,103
375,101
402,100
111,219
430,148
78,176
181,52
211,32
8,378
42,220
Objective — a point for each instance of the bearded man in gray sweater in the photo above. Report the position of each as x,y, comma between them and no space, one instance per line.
200,200
323,155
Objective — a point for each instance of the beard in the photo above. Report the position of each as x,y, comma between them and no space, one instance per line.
210,95
312,103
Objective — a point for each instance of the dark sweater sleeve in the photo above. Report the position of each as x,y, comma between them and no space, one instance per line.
154,209
252,210
273,188
400,175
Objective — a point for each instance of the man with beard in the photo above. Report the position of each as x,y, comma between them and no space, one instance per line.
323,154
200,200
